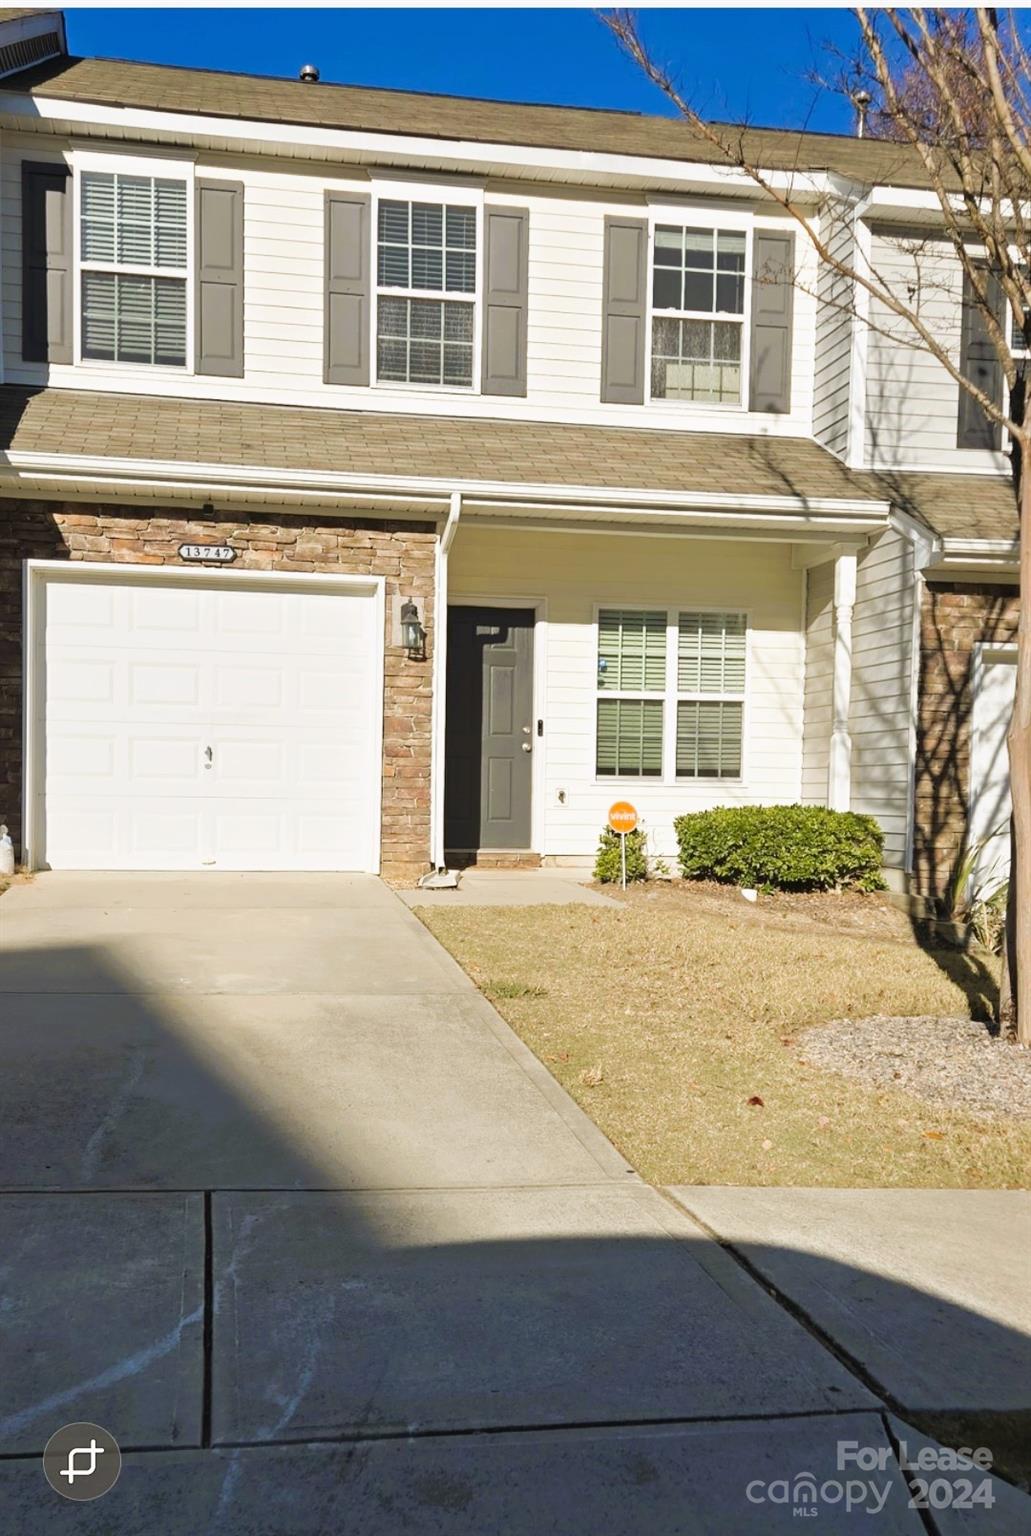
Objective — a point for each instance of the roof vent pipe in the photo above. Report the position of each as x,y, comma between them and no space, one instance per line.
861,101
308,73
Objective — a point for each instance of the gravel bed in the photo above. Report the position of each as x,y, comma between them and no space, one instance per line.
951,1062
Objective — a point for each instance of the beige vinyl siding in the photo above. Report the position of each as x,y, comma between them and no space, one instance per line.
577,574
834,331
880,716
819,680
283,306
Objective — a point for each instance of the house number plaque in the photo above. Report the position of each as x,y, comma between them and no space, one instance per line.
218,554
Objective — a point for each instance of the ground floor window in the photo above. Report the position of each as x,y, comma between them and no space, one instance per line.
670,675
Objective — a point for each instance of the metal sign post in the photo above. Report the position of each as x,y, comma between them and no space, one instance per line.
622,819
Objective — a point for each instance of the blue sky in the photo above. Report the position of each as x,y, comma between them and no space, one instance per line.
737,64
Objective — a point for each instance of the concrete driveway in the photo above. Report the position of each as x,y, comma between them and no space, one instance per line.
290,1211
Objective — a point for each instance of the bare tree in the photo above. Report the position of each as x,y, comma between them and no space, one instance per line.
952,89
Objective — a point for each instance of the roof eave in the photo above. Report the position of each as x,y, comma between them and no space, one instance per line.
91,475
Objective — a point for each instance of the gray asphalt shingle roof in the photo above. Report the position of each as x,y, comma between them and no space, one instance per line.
88,422
124,83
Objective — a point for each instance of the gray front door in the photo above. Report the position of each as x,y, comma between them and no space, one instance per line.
489,736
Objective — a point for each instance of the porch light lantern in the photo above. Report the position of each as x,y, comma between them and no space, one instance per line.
413,636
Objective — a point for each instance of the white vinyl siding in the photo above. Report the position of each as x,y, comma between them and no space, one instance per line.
881,707
132,239
912,402
835,332
819,681
576,575
284,295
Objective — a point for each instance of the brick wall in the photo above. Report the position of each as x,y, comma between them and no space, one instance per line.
402,552
955,618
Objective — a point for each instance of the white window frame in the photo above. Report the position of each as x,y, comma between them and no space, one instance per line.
731,222
446,196
671,696
133,165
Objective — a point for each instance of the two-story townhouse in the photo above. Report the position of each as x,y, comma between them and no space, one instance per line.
392,479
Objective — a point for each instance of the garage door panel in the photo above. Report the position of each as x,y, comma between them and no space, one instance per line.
160,684
174,830
248,690
162,616
282,687
81,683
71,757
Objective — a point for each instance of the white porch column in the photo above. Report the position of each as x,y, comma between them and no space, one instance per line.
439,705
839,768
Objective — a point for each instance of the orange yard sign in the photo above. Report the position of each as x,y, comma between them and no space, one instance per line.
622,816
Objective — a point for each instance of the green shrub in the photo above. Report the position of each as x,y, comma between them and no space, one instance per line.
782,847
607,867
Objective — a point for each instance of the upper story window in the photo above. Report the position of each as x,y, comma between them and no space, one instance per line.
698,308
425,248
133,263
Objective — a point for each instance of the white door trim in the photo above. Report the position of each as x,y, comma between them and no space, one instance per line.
540,641
37,575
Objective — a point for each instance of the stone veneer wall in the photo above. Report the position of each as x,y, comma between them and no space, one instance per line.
402,552
956,616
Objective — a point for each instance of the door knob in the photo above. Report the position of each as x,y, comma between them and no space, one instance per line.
527,747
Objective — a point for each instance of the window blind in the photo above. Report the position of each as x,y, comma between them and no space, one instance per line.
631,651
630,737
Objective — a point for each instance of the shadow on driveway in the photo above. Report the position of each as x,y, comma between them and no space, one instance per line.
335,1264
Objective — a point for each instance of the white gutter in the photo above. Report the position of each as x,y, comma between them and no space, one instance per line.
1005,552
155,473
439,716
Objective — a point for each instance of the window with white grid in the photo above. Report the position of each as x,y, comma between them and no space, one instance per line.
425,249
133,260
698,309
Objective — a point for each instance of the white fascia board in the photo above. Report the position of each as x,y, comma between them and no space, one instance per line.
916,205
926,543
434,488
975,551
370,148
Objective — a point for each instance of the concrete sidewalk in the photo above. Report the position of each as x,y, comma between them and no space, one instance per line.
290,1211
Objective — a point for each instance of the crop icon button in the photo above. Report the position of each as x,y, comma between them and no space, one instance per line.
82,1461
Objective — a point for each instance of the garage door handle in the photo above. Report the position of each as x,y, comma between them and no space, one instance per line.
208,755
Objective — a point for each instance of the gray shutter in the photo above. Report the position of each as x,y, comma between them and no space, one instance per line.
506,248
348,243
979,362
625,308
220,278
773,276
46,203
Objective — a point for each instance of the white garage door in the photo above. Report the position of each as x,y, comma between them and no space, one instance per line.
223,726
994,686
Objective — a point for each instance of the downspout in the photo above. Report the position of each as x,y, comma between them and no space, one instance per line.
839,767
439,715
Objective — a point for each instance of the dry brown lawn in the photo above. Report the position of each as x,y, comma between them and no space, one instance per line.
675,1020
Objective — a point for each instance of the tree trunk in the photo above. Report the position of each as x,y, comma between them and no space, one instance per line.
1008,980
1019,742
